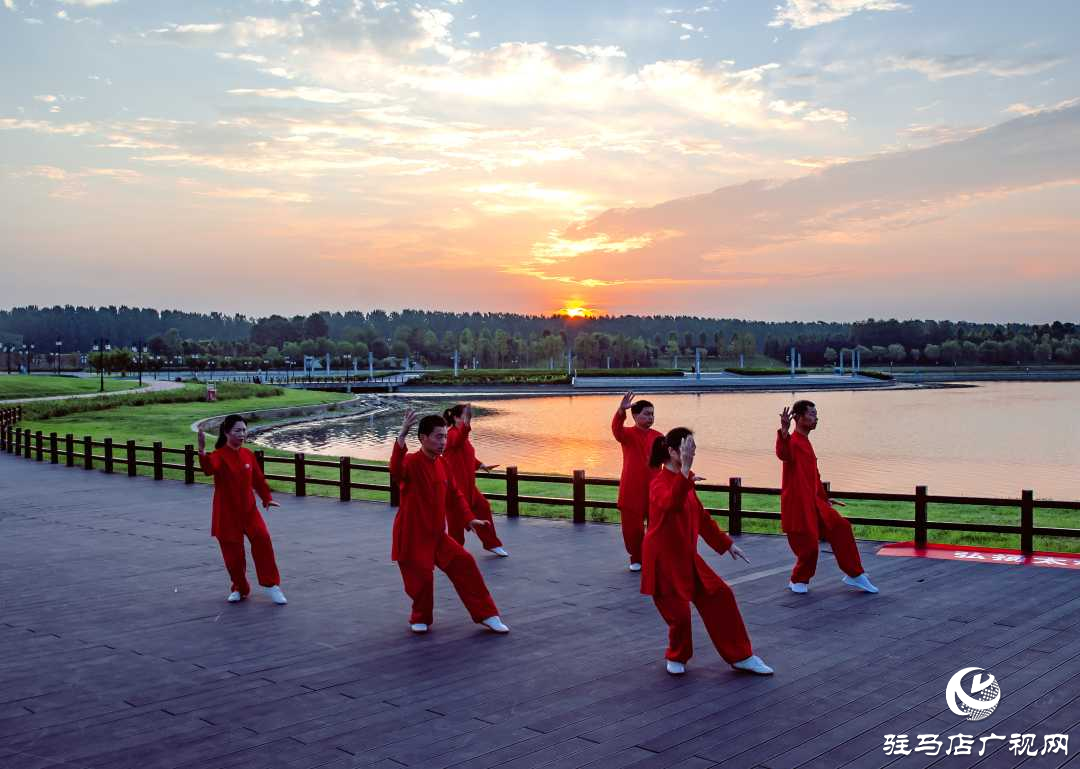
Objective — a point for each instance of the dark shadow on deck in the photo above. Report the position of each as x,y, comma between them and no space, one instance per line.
120,651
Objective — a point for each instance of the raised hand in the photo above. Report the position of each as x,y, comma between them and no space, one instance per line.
466,414
411,418
686,454
626,401
837,503
202,441
476,522
785,421
487,468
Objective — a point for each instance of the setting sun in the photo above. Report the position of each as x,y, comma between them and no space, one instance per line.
578,312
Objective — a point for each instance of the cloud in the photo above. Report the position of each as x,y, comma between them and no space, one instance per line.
45,127
10,5
89,3
1024,109
943,67
804,14
304,93
854,203
257,193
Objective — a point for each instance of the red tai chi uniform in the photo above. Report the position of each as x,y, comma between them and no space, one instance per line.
460,456
420,540
675,575
805,512
634,481
237,478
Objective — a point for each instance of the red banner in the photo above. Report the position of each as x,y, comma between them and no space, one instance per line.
982,555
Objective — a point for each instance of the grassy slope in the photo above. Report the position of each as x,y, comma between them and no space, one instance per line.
42,386
170,423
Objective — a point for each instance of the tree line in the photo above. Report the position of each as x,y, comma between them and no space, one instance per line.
509,340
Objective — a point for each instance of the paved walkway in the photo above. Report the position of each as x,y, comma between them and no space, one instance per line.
152,386
119,650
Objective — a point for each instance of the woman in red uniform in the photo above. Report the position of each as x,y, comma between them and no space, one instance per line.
806,512
463,464
636,441
675,575
237,478
420,541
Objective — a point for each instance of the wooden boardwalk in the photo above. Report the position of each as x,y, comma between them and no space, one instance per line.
118,649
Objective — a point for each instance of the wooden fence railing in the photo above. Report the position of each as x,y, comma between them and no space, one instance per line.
108,455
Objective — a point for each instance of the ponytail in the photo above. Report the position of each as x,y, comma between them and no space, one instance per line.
451,413
673,440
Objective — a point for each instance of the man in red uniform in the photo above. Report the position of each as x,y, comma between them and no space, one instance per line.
806,512
636,445
461,458
420,540
237,479
675,575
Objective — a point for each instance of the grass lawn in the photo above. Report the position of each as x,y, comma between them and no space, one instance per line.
37,386
170,424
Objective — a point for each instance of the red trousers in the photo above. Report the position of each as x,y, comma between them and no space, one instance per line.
722,620
481,509
805,547
633,532
262,552
464,574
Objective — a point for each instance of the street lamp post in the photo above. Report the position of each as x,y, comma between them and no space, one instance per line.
101,346
139,349
28,353
59,343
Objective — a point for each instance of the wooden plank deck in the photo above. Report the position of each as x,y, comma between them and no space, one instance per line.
118,649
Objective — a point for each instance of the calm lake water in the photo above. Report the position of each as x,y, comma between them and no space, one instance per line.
990,440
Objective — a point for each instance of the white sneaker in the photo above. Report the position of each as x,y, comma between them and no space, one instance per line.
676,668
862,582
753,664
235,597
275,595
418,627
496,624
635,567
500,551
799,587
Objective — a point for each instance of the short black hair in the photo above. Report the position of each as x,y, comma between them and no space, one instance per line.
429,423
639,406
801,407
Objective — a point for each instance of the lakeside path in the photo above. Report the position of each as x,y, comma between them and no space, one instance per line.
121,652
157,385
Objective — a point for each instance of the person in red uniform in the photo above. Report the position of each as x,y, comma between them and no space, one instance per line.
806,512
461,458
636,442
675,575
237,479
420,541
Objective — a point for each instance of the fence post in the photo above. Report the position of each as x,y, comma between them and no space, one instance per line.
395,492
920,516
1027,521
18,442
159,471
69,449
53,453
5,429
579,496
131,466
108,455
734,506
512,510
39,446
260,457
189,464
26,443
345,479
88,452
298,471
